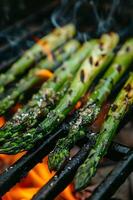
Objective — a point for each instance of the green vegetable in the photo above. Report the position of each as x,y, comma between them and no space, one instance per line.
41,103
116,113
82,81
31,78
47,43
90,111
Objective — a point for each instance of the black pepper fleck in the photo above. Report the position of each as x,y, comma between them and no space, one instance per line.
63,68
70,91
127,49
128,87
114,107
119,68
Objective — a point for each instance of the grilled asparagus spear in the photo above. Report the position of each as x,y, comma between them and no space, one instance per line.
31,78
40,102
90,111
84,77
116,113
47,43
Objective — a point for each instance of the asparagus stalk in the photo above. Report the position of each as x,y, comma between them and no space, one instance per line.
31,78
116,113
90,111
82,81
47,95
47,43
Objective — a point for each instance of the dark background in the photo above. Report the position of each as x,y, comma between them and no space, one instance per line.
14,10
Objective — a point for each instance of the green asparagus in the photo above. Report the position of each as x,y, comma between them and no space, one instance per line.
83,80
47,95
31,78
116,113
90,111
50,42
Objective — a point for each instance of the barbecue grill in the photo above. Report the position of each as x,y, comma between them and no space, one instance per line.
19,36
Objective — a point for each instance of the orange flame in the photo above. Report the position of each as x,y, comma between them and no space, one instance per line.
35,179
2,121
78,105
44,74
45,47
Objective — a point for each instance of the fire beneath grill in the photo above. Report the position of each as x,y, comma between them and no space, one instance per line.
28,175
40,174
35,179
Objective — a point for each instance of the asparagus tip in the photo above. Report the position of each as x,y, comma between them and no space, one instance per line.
81,180
57,159
84,173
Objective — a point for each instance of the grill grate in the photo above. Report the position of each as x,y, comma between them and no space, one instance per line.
62,178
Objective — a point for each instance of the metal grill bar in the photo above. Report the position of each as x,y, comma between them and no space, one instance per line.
19,169
35,155
113,181
62,178
65,176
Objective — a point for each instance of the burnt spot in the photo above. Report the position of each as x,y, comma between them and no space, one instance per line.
105,129
57,33
96,63
101,44
69,104
91,60
127,49
82,76
70,91
63,68
128,87
112,82
103,55
55,79
119,68
114,107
